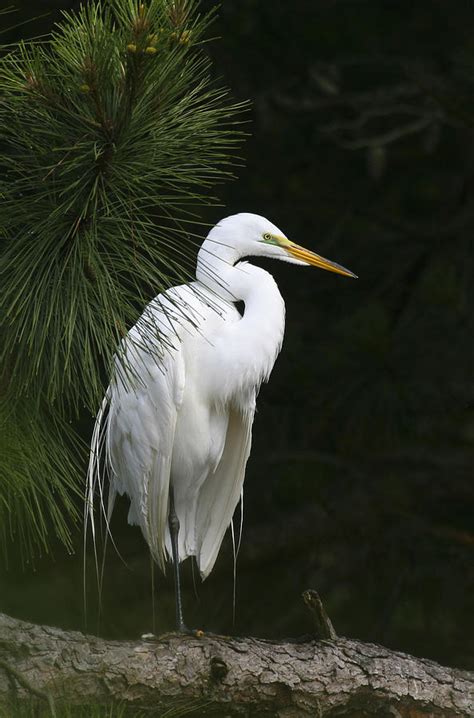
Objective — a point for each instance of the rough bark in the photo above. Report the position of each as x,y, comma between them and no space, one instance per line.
229,676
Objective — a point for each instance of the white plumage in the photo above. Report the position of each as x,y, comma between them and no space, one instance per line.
179,410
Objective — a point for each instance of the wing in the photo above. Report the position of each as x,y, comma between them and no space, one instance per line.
222,489
140,436
135,428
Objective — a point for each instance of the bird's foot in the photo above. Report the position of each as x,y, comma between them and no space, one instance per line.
182,629
196,632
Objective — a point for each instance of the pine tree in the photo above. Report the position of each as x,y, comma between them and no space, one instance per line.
112,136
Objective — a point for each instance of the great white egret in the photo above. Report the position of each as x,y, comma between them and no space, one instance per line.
175,426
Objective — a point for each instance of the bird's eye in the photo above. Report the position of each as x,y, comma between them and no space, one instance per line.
267,237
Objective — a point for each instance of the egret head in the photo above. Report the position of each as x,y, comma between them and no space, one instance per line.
253,235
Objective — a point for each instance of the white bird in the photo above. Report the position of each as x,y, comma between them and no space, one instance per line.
175,427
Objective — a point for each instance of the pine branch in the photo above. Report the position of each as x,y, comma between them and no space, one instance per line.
112,137
107,129
220,675
39,476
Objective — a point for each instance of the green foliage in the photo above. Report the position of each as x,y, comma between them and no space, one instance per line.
111,134
38,480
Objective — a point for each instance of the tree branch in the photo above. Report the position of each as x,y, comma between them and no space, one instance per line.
232,676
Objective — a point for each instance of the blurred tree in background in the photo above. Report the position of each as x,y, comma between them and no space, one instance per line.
360,480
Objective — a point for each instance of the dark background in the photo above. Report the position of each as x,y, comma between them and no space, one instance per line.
360,480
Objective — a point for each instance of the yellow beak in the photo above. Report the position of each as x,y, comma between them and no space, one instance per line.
305,255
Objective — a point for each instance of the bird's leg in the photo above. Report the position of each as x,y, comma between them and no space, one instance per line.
173,522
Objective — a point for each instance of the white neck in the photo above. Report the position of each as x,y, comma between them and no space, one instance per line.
257,338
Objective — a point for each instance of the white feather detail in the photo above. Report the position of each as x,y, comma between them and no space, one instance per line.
222,489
